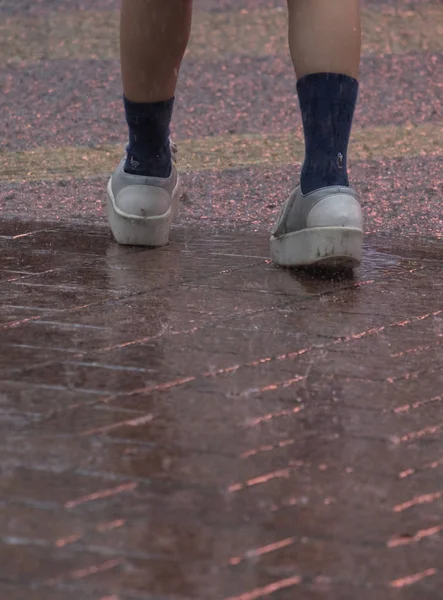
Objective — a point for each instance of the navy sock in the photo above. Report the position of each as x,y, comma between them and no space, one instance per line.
327,102
149,152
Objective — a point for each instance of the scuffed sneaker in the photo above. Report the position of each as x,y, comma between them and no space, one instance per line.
141,209
324,228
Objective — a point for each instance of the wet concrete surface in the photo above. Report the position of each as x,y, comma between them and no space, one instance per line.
193,423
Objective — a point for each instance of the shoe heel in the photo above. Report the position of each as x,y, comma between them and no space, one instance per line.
336,247
141,231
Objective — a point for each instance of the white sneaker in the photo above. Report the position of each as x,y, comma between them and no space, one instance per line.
141,209
323,228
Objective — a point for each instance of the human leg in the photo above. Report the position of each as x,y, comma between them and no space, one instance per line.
143,192
325,45
325,36
318,226
153,39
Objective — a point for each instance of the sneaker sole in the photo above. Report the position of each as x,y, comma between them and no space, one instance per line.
335,247
130,230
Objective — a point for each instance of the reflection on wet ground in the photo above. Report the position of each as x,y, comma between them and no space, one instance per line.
193,422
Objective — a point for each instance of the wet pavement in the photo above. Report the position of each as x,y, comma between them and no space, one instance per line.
193,423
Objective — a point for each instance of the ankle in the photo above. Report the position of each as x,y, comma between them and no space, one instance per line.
149,151
149,164
327,102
